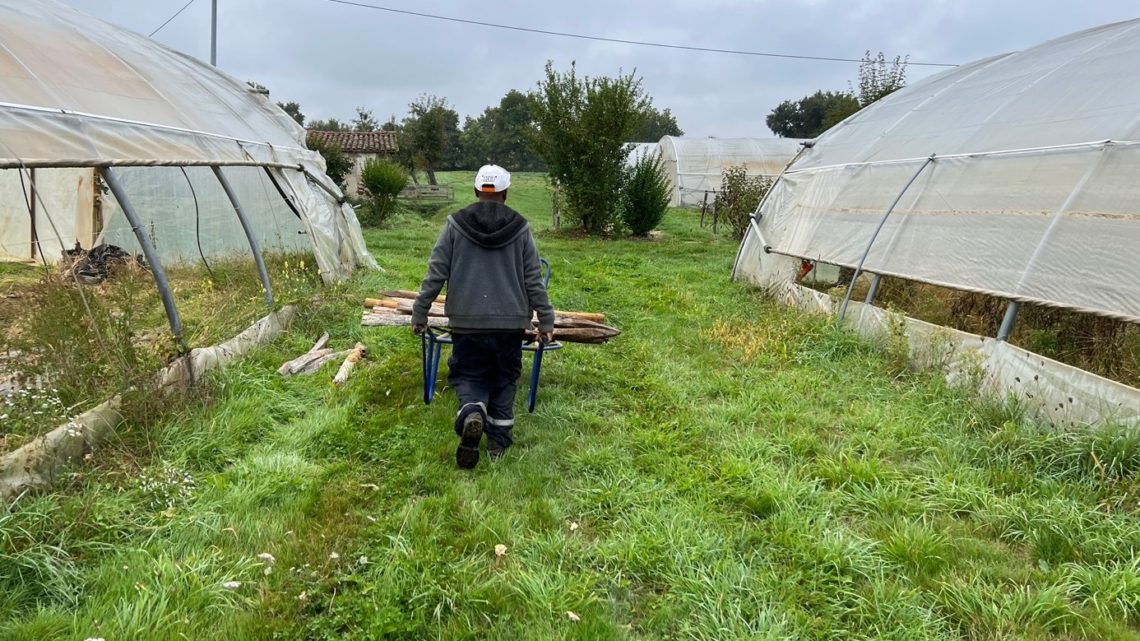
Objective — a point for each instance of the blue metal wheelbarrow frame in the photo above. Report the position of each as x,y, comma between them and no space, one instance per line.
431,352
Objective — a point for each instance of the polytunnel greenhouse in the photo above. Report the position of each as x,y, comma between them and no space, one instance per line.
694,165
1013,177
109,137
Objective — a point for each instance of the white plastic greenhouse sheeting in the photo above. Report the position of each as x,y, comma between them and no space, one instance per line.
1032,194
76,91
695,165
639,150
64,194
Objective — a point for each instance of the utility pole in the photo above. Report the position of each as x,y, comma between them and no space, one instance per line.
214,32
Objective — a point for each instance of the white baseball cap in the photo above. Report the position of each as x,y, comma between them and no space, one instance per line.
492,179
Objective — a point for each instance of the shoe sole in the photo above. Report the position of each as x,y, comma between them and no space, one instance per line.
467,454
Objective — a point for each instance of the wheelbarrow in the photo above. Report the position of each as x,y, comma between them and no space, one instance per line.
431,352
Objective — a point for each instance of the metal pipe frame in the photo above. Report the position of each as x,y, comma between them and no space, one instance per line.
874,236
257,258
874,289
1007,321
156,270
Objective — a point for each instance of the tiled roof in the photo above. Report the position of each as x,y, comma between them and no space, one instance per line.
360,142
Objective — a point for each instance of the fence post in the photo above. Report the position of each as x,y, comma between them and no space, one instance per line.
704,207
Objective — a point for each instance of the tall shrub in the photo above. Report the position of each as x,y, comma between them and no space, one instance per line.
646,195
337,164
383,181
583,124
738,198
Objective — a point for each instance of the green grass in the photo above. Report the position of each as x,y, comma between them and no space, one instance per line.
726,469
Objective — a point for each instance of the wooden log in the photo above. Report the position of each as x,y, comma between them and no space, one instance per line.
316,351
397,320
380,302
295,365
321,343
358,352
580,334
317,363
410,295
399,295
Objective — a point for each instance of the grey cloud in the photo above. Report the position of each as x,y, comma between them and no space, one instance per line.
331,58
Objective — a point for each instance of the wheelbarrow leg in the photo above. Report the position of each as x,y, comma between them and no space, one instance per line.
426,350
535,368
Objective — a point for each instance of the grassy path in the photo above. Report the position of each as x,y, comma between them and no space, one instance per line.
726,469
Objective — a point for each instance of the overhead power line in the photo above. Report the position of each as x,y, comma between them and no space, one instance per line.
640,43
168,20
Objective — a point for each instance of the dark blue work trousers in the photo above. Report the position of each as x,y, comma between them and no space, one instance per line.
484,370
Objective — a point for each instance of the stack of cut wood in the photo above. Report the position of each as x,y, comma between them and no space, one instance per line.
395,308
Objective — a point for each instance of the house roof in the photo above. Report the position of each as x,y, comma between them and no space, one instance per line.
360,142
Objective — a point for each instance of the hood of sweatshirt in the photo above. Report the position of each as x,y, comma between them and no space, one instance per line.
489,224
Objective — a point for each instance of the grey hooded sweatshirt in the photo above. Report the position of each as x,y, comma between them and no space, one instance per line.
487,256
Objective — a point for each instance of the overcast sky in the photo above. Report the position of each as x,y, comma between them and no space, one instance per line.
331,57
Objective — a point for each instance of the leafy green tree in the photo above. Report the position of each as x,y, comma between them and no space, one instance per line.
879,77
364,120
646,195
294,111
583,124
502,135
337,164
430,129
738,198
331,124
658,124
383,180
811,115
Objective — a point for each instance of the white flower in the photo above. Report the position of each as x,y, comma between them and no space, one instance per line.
266,558
334,556
573,617
363,560
94,639
500,550
231,585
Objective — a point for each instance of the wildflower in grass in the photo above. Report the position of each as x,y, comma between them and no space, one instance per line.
500,550
334,556
573,617
231,585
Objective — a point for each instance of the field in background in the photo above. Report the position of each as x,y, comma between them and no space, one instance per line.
726,469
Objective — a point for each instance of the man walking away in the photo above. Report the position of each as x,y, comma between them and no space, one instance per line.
488,258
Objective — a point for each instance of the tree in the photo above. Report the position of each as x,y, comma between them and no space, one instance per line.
383,181
332,124
646,195
364,120
582,127
430,129
337,164
502,135
294,111
811,115
658,124
879,77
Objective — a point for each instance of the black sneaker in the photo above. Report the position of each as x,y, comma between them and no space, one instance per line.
495,451
467,454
